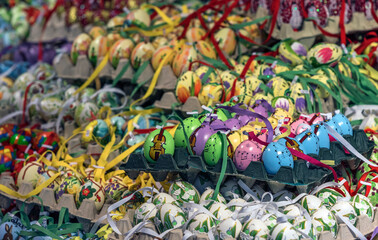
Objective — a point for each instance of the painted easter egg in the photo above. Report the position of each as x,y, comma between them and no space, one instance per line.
80,46
50,107
208,194
170,216
97,31
210,93
345,210
201,223
275,156
292,52
311,203
324,54
205,49
194,34
220,210
254,229
162,198
97,49
184,192
183,58
157,143
199,138
329,196
284,231
145,211
70,185
324,220
91,190
229,228
188,84
141,53
245,153
121,49
30,173
84,112
363,206
139,18
226,40
115,188
161,53
189,125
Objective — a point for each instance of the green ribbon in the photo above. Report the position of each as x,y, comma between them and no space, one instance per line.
224,165
120,74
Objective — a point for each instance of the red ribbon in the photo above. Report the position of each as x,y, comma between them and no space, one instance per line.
342,23
373,11
148,130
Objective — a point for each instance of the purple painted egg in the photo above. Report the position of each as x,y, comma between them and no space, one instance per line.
199,138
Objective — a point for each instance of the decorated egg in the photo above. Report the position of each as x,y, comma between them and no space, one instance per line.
30,173
212,152
96,32
205,49
97,49
7,131
275,156
46,176
210,93
329,196
235,138
199,138
320,90
183,58
302,224
91,190
309,141
245,153
121,49
135,201
188,84
162,198
208,194
207,74
50,107
363,206
184,192
292,52
139,18
255,229
6,98
118,122
229,228
23,81
115,23
170,216
115,188
292,211
201,223
70,185
159,42
11,229
324,220
194,34
145,211
220,210
292,143
284,231
324,53
344,126
141,53
7,158
345,210
270,221
101,129
84,112
299,126
226,39
230,189
161,53
80,46
311,203
189,125
157,143
322,134
108,99
236,203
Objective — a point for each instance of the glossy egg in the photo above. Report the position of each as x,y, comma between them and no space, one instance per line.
80,46
229,228
346,210
276,156
292,52
141,53
98,49
284,231
162,198
139,18
184,192
189,125
201,223
324,53
157,143
121,49
145,211
115,22
255,228
363,206
220,210
199,138
344,126
329,196
160,54
322,134
245,153
50,107
210,93
70,185
170,216
311,203
212,152
208,194
309,141
324,220
97,32
205,49
188,84
115,188
293,144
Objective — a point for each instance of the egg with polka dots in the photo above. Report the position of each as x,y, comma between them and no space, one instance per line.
276,156
245,153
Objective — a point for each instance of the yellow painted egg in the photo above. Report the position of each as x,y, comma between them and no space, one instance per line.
188,84
183,58
262,96
279,69
97,49
80,46
330,74
139,18
160,54
69,184
228,79
194,34
46,176
115,23
244,59
250,86
96,32
239,69
205,49
112,38
136,37
91,190
210,91
211,77
30,173
142,52
120,50
159,42
279,86
300,68
321,91
226,39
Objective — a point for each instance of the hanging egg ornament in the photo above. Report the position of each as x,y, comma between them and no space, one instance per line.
184,192
363,206
115,188
141,53
229,228
309,141
322,134
212,152
30,173
91,190
23,81
189,125
324,54
183,58
50,107
210,93
118,122
205,49
160,54
226,40
275,156
84,112
170,216
80,46
245,153
157,143
292,52
121,49
163,198
44,141
97,49
219,210
344,126
284,231
188,84
329,196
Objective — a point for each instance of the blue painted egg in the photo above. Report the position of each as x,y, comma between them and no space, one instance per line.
276,156
292,143
322,134
309,141
343,123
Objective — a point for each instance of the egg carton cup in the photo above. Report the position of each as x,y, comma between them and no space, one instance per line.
302,176
358,23
55,29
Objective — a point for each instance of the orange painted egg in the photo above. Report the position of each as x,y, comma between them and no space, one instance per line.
80,46
194,34
120,50
139,18
96,32
97,49
226,39
188,84
208,92
159,41
205,49
112,38
142,52
183,58
160,54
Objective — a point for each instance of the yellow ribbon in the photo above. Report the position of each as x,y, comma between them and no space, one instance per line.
285,134
160,13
